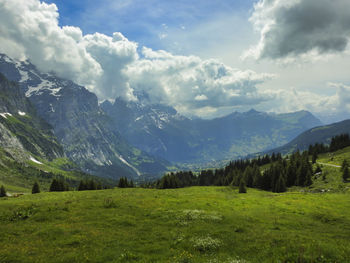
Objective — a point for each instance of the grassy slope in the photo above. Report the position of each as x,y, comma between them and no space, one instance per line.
198,224
19,178
141,225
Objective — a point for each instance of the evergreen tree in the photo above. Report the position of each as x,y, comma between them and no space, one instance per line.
346,174
314,157
92,185
2,191
36,188
54,187
280,186
242,188
344,165
82,186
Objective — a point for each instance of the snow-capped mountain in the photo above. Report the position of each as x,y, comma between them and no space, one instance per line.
83,129
161,131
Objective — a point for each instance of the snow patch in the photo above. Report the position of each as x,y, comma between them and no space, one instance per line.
34,160
45,84
138,118
128,164
21,113
24,76
7,59
5,114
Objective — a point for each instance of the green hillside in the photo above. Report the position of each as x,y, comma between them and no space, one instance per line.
19,177
194,224
198,224
321,134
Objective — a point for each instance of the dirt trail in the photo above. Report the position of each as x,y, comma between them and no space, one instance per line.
328,164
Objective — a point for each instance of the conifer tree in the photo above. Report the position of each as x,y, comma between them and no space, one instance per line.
35,188
346,174
242,188
314,157
2,191
344,165
280,186
54,187
82,186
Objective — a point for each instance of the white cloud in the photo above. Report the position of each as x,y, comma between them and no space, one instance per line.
328,108
111,67
113,54
29,30
300,28
189,83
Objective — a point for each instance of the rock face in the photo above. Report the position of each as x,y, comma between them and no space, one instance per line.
161,131
83,129
22,131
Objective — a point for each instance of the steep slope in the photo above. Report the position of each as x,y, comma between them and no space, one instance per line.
82,128
22,131
320,134
161,131
29,151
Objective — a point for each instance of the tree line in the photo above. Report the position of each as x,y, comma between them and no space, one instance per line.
279,172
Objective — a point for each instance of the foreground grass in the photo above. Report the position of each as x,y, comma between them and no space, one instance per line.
197,224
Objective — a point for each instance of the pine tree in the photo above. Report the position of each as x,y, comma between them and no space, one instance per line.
346,174
36,188
314,157
344,165
242,188
82,186
54,187
2,191
280,185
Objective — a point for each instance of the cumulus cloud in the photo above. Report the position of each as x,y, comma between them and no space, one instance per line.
330,108
29,30
188,82
299,28
111,67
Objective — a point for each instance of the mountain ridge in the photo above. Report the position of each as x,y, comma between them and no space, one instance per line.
161,131
81,126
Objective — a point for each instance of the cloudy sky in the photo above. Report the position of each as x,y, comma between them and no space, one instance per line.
205,58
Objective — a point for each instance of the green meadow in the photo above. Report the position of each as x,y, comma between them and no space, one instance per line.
197,224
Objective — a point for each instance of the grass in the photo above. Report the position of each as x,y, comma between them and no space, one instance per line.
198,224
335,158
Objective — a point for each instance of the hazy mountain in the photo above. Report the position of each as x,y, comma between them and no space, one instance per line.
320,134
161,131
82,128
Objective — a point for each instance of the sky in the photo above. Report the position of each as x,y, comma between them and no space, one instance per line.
205,58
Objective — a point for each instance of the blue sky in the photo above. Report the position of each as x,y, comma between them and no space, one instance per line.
204,58
156,23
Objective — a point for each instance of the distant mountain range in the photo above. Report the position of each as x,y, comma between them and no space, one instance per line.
161,131
320,134
124,138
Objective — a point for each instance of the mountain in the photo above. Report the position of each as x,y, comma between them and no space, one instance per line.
161,131
320,134
82,128
23,133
